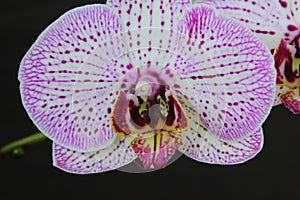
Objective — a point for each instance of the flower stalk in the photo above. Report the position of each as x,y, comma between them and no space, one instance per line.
16,148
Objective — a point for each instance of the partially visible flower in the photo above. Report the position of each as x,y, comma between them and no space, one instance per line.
277,24
287,64
143,79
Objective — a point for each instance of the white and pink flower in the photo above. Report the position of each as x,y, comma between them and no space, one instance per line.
141,79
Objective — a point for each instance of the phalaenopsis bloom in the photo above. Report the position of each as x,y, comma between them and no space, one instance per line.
277,24
130,80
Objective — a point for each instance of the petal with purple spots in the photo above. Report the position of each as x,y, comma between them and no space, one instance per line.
143,13
116,155
230,71
151,27
269,20
68,76
295,10
283,24
199,144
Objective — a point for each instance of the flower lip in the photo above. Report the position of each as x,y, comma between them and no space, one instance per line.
291,100
147,108
147,113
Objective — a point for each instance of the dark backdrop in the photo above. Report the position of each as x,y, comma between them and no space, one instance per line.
273,174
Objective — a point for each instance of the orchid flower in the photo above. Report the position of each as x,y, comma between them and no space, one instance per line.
109,84
277,24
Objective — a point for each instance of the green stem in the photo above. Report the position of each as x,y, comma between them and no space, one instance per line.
17,147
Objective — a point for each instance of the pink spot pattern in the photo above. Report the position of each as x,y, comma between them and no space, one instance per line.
66,78
269,20
118,154
227,71
200,145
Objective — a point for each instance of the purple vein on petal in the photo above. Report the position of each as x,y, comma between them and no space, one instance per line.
67,82
230,71
116,155
143,13
270,20
199,144
150,32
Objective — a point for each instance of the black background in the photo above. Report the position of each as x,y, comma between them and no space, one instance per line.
273,174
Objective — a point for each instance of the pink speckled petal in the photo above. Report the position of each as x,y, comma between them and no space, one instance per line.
199,144
151,29
295,10
112,157
291,100
269,20
69,74
230,71
144,13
